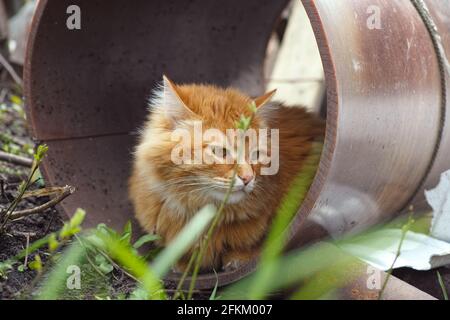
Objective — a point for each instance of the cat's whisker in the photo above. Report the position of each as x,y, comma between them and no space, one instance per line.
221,179
180,180
173,181
224,184
259,187
164,185
225,188
190,184
184,182
195,190
193,185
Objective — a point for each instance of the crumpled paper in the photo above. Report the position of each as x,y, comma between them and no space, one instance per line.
418,251
439,200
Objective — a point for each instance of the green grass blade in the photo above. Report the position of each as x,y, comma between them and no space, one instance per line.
442,285
184,240
56,282
298,266
276,238
213,295
127,258
145,239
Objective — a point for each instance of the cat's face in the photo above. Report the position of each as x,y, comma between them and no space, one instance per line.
195,147
225,160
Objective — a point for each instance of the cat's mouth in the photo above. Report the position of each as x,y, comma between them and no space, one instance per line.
238,194
241,190
233,197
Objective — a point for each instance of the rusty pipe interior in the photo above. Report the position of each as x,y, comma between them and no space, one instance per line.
387,132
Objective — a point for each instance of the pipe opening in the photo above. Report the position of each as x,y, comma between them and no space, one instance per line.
83,99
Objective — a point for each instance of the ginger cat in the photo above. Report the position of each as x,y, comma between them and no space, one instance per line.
166,195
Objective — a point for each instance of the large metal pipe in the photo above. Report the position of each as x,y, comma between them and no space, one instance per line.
388,134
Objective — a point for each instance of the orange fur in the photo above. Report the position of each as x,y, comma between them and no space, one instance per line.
164,204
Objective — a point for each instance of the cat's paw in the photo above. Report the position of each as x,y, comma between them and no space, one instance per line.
177,269
233,265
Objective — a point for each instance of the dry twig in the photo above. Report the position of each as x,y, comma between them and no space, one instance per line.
64,192
15,159
25,263
10,70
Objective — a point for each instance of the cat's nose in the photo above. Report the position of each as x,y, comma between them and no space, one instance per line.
246,178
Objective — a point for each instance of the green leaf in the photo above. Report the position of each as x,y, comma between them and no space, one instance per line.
5,267
36,264
145,239
53,244
126,256
104,229
127,228
106,267
103,264
138,294
252,107
78,218
243,123
40,152
16,99
184,240
126,233
73,226
99,259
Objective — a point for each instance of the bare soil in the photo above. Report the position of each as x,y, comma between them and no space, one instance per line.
20,282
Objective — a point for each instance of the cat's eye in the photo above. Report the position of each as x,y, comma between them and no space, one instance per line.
254,155
220,152
259,156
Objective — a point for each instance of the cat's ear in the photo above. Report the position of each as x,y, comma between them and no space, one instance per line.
172,103
265,110
262,100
